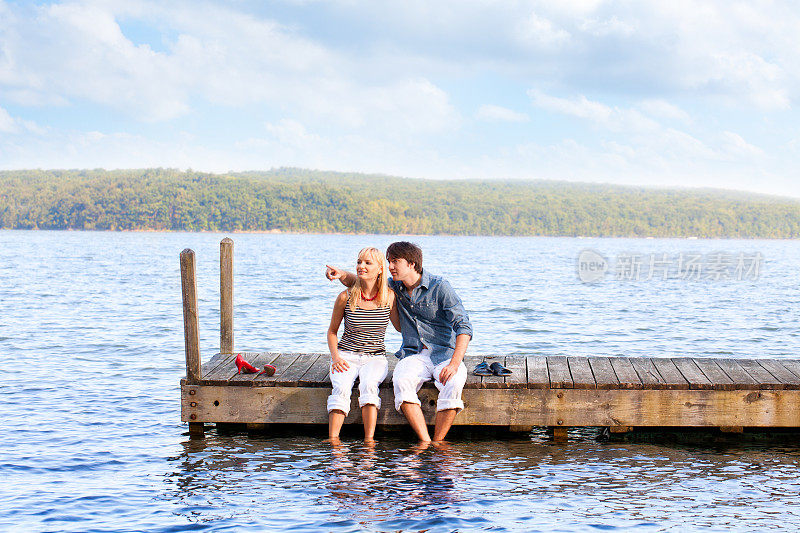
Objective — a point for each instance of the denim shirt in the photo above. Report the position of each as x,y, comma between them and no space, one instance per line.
433,315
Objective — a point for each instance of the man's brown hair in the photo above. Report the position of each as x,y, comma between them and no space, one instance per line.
406,250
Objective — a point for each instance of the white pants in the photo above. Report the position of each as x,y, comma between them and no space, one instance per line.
371,370
412,371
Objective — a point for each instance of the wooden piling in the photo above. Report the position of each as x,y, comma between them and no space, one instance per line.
226,295
191,330
559,434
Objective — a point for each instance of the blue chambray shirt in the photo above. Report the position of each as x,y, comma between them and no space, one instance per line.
433,315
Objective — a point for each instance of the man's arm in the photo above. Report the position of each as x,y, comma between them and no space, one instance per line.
348,279
462,341
456,315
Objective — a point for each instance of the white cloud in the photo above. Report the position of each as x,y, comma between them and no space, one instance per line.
538,31
580,107
219,56
612,118
496,113
664,110
292,133
737,146
15,125
7,122
608,27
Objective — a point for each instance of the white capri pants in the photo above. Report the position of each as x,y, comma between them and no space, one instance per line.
412,371
370,369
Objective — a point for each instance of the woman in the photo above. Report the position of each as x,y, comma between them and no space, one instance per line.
366,308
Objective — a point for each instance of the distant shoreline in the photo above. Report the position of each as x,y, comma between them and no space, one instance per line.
408,236
298,201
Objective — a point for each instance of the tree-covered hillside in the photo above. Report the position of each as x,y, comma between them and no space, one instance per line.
311,201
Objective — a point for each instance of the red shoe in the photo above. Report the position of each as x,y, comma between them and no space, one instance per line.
243,366
269,370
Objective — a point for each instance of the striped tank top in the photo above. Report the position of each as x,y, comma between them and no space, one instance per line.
364,329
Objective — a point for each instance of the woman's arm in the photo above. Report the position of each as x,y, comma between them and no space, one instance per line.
337,363
348,279
394,314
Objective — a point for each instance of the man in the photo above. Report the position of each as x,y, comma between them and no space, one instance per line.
435,330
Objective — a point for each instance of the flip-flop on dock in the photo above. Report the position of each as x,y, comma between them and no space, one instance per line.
559,392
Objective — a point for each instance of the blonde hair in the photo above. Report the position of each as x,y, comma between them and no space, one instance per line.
382,281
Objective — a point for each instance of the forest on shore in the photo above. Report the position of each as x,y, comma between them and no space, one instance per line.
298,200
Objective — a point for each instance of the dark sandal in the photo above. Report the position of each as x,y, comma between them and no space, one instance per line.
482,369
499,370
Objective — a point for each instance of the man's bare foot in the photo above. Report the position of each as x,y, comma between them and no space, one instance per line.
441,445
421,446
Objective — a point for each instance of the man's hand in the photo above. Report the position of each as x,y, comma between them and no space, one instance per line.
448,372
333,273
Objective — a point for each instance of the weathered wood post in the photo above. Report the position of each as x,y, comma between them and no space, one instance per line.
226,295
191,330
559,434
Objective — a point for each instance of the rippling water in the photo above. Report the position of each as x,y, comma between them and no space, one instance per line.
92,334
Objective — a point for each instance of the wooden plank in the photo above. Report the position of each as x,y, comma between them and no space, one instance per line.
628,378
714,373
581,372
473,381
793,365
670,374
214,362
604,375
740,378
692,373
518,379
536,407
647,372
494,382
558,368
317,372
765,380
222,373
785,376
291,376
538,377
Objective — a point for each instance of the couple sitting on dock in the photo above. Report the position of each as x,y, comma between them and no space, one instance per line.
434,326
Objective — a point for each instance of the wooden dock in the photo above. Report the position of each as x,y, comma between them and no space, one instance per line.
558,392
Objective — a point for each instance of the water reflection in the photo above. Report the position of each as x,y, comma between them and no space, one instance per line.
382,483
498,485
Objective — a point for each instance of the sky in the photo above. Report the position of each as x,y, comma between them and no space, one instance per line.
700,93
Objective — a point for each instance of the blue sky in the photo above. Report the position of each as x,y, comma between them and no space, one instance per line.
652,93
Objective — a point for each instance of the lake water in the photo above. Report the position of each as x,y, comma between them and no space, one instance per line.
92,338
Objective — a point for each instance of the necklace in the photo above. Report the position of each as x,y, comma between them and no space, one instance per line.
363,297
